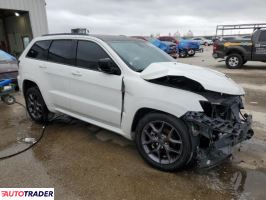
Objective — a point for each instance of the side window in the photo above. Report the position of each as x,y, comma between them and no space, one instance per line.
262,37
88,54
63,52
39,50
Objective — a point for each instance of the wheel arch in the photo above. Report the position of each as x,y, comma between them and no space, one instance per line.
140,113
237,50
28,84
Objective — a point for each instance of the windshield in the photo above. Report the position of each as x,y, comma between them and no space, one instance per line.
138,55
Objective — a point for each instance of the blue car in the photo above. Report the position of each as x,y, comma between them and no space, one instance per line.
188,48
184,47
168,47
8,67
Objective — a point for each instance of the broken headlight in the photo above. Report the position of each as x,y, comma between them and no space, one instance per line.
215,110
226,108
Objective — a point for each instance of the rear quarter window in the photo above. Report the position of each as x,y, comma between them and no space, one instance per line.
39,50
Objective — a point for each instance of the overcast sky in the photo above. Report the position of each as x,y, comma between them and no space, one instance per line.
145,17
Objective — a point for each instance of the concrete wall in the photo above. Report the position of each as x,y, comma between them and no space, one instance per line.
37,13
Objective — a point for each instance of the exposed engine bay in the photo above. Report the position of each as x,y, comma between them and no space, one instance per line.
220,126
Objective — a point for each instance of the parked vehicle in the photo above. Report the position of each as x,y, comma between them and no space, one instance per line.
175,112
8,67
6,88
169,39
168,47
171,49
238,51
203,41
185,47
189,48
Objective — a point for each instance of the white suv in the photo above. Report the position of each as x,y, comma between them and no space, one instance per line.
176,113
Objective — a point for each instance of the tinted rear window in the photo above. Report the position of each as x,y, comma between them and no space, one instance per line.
63,52
39,50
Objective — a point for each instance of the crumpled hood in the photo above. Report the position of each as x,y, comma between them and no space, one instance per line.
210,79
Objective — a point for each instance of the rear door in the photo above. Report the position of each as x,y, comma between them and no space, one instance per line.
94,94
259,49
33,67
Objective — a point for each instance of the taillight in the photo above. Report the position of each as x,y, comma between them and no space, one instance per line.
215,46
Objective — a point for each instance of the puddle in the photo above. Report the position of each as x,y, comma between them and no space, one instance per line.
17,131
89,161
227,179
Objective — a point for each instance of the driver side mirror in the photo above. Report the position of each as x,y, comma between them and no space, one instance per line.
106,65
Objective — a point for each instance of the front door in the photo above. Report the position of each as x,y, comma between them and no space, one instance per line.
259,50
94,94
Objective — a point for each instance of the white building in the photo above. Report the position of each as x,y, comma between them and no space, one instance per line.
20,21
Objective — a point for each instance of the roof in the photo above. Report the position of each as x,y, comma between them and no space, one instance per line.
105,38
114,38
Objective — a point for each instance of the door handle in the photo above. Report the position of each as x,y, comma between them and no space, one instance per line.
76,74
42,67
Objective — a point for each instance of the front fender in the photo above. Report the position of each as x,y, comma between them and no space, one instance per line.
168,100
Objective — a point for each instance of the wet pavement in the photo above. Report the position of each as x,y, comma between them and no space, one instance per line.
82,161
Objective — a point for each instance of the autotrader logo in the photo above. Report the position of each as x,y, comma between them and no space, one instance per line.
27,193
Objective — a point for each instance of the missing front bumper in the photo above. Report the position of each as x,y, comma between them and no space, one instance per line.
213,138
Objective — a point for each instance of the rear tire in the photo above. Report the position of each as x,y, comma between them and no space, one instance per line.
234,61
163,141
35,105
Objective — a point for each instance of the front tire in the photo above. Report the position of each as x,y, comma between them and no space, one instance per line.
36,106
234,61
163,141
191,52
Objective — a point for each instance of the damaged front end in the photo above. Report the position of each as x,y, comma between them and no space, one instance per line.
219,125
216,130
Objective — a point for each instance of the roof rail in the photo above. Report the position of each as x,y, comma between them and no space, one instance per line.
54,34
238,27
